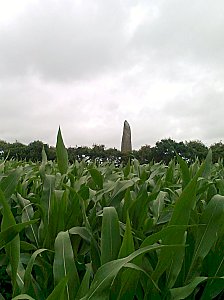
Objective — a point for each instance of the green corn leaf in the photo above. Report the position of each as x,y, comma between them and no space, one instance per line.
97,177
220,186
184,171
81,231
213,288
185,291
128,279
24,246
95,254
64,264
127,246
138,213
212,218
155,237
47,196
28,275
214,264
13,247
44,156
170,171
47,202
119,191
110,237
58,211
2,166
181,215
62,155
43,164
84,286
27,215
59,291
11,232
107,272
176,262
9,183
126,169
208,165
23,297
158,205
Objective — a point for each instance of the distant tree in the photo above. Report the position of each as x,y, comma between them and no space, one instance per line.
17,150
113,155
144,154
196,149
98,153
217,151
78,153
34,151
50,152
164,150
3,149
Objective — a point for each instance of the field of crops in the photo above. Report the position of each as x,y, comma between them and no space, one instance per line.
100,231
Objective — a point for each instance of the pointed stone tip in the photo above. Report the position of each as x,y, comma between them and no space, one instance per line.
126,138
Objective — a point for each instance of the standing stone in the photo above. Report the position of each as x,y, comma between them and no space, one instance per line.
126,146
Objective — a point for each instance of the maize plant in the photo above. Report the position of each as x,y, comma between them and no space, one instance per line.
98,231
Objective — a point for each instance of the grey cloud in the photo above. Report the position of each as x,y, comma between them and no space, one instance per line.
32,109
183,31
198,115
74,64
64,40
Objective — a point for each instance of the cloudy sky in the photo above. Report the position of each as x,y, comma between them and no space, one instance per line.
89,65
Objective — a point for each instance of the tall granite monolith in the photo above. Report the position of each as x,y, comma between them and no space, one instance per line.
126,146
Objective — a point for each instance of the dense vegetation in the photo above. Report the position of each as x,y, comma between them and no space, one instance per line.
91,230
164,150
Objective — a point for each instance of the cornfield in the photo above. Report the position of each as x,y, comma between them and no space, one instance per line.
100,231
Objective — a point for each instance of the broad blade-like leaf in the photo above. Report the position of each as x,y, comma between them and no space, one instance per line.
110,236
184,171
12,248
185,291
158,205
62,154
181,215
28,275
11,232
97,177
107,272
23,297
59,291
81,231
9,183
128,279
64,264
212,218
27,215
47,196
127,246
84,286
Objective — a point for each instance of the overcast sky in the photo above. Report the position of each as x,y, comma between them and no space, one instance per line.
89,65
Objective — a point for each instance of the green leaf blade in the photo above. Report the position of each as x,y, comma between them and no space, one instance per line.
110,238
64,264
62,154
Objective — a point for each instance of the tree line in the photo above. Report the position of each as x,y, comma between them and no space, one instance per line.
164,150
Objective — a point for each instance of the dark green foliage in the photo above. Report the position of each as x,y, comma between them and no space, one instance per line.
5,282
164,150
